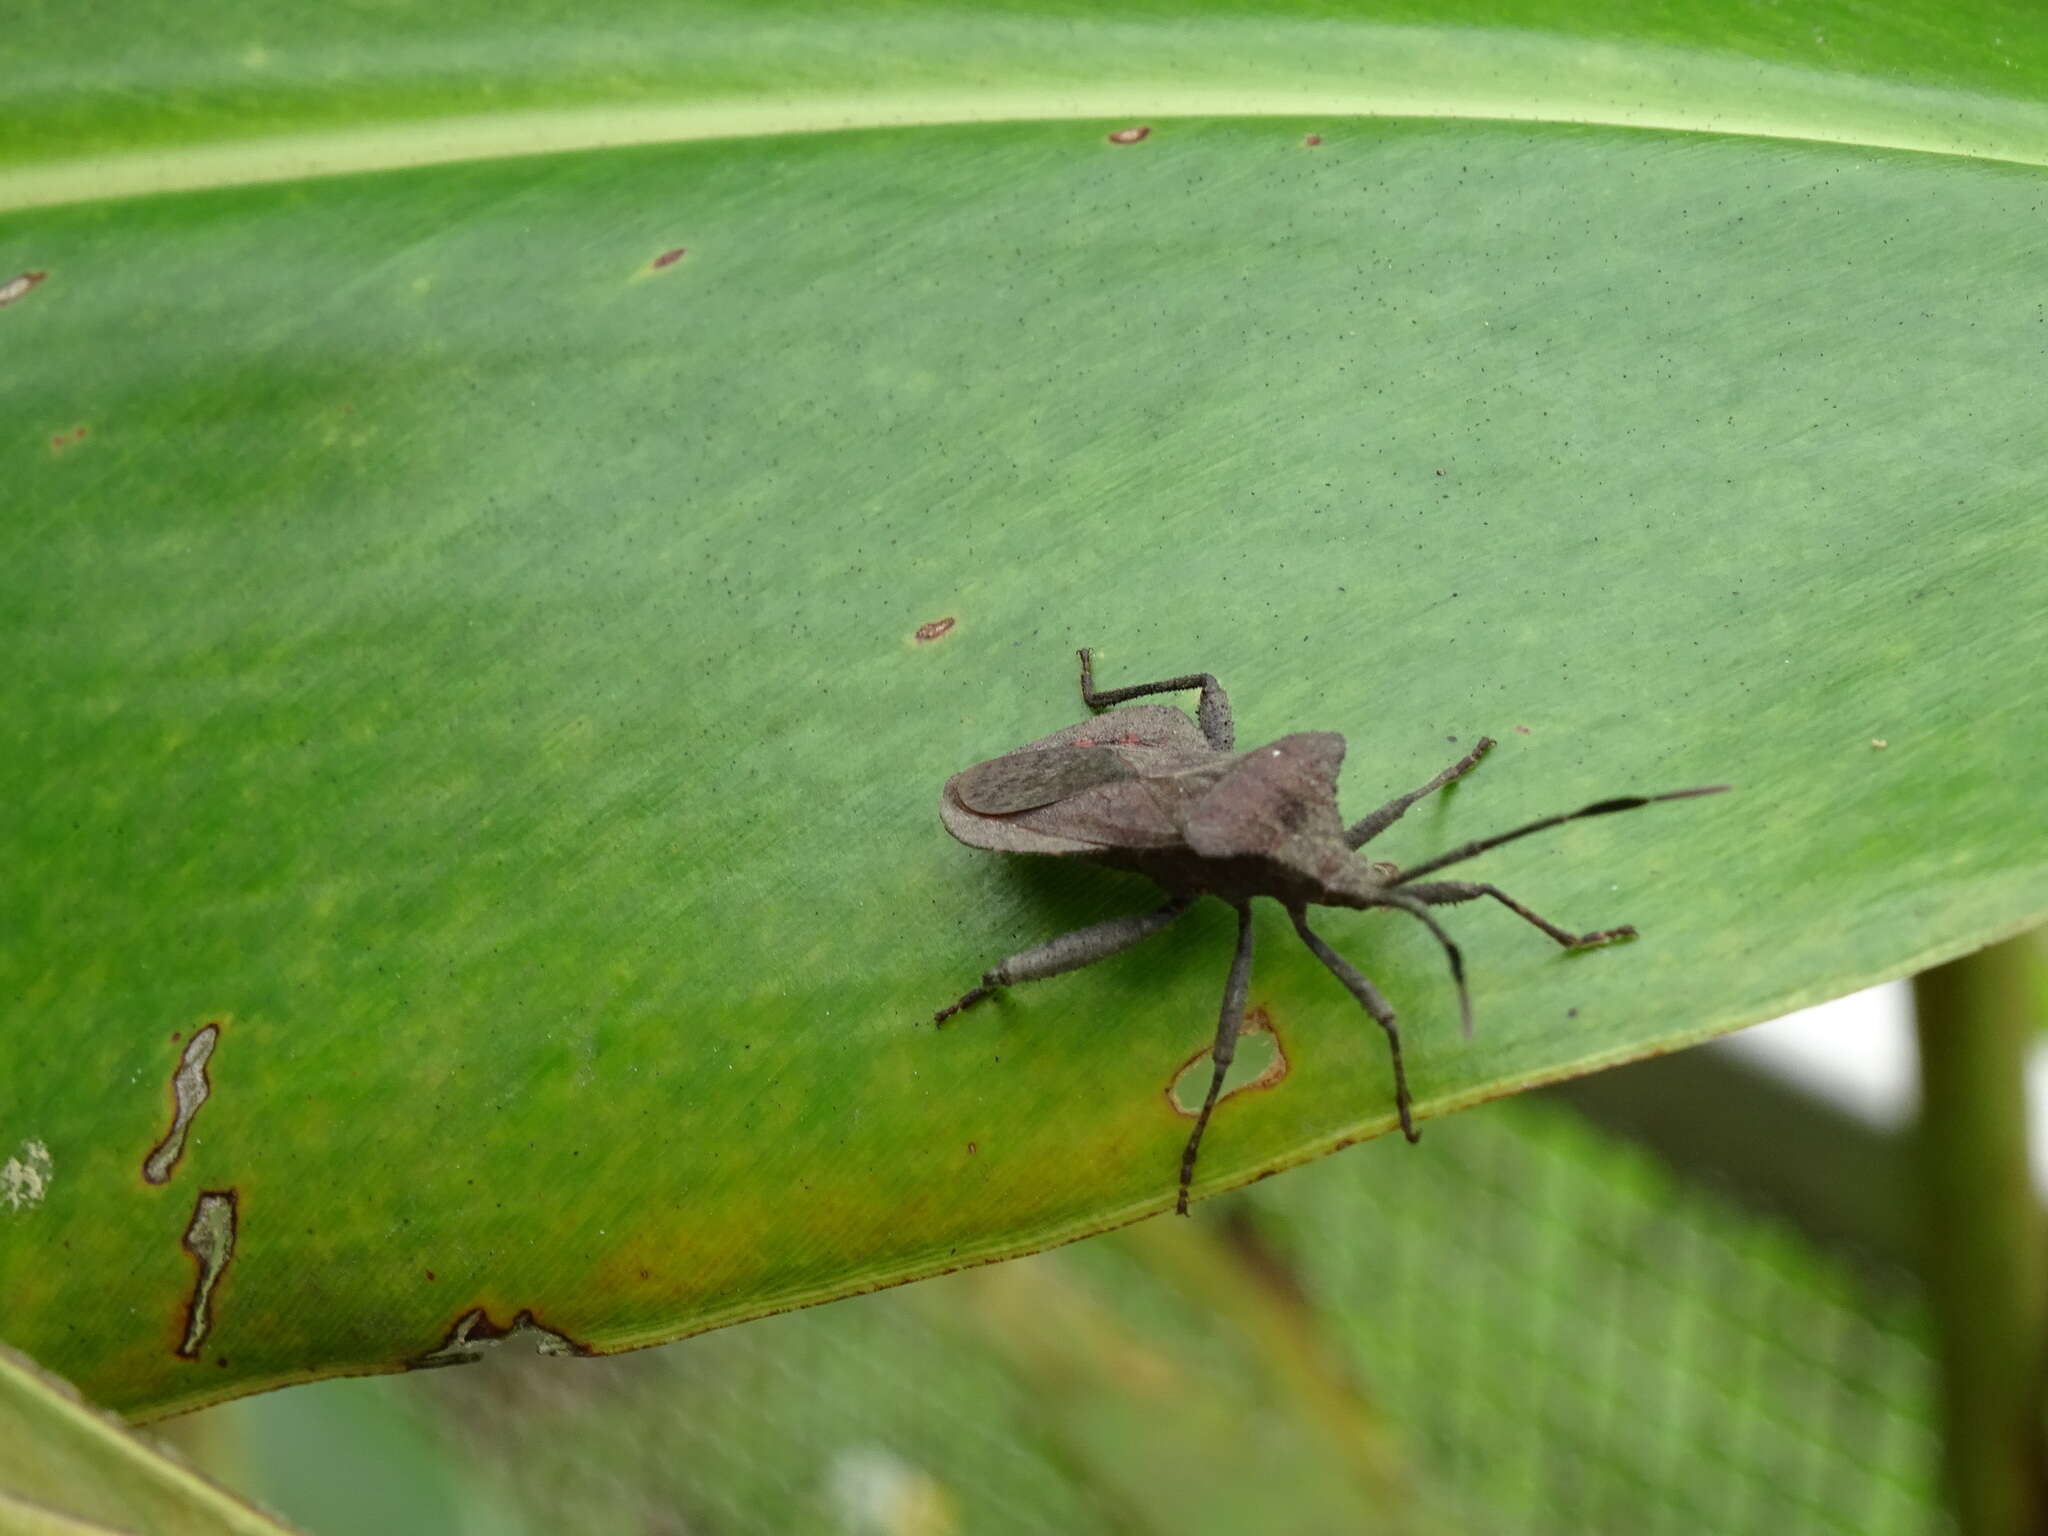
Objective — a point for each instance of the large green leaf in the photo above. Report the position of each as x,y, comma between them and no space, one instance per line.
473,664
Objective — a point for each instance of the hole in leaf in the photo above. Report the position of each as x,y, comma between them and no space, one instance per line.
1260,1063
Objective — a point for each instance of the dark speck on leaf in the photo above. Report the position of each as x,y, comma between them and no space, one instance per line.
926,633
1313,140
1129,135
669,258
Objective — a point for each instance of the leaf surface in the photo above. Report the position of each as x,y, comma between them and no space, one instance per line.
467,652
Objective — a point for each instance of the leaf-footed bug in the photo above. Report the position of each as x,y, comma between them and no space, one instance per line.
1145,789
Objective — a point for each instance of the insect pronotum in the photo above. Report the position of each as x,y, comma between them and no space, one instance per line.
1143,788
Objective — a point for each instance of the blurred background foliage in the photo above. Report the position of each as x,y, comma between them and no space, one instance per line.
1538,1327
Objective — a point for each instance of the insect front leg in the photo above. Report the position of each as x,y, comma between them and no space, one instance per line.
1369,998
1212,713
1224,1051
1441,893
1359,833
1070,951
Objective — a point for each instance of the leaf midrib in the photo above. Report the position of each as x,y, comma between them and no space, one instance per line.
1407,73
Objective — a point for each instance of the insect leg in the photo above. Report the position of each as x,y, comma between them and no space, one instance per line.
1402,901
1437,893
1224,1051
1359,833
1370,999
1212,713
1070,951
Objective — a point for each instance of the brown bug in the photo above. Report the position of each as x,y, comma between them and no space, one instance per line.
1146,789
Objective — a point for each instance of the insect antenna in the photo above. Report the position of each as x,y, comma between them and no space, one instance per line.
1597,808
1417,910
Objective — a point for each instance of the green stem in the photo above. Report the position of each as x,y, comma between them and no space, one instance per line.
1986,1264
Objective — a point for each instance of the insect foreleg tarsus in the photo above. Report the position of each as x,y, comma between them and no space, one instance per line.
1439,893
1212,713
1224,1051
1369,998
1359,833
1069,952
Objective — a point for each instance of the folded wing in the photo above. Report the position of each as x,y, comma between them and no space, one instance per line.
1080,789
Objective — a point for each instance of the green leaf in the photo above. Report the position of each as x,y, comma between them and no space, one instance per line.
472,662
65,1467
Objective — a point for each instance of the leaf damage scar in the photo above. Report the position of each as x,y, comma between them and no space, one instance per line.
1260,1038
25,1177
189,1090
210,1239
474,1333
19,287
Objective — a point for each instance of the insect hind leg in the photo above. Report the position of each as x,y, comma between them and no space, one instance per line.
1212,713
1069,952
1224,1051
1439,893
1369,998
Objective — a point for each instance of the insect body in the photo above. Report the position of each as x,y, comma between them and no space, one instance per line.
1143,788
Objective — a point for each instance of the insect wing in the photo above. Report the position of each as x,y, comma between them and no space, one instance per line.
1092,786
1121,815
1134,725
1031,777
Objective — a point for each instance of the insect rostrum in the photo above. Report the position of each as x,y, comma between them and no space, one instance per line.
1145,789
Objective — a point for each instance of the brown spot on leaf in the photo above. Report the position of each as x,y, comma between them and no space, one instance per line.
972,1148
1522,730
210,1239
61,441
937,628
668,258
16,288
474,1332
1129,135
190,1087
1312,140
